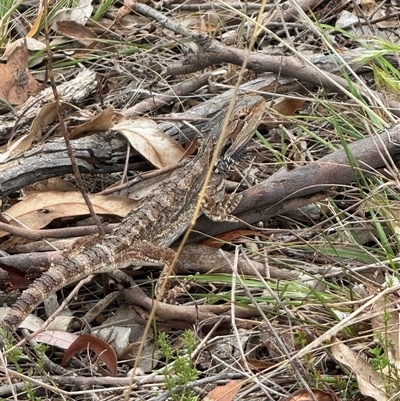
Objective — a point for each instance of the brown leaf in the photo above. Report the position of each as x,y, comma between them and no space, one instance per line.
287,106
16,279
38,210
281,108
53,184
100,123
224,393
229,236
369,380
156,146
304,395
72,29
104,351
46,116
256,365
17,83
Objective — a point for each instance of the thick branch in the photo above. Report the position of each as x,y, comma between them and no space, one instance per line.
295,187
95,155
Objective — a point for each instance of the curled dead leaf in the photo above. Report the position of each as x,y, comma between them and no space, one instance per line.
103,350
145,136
100,123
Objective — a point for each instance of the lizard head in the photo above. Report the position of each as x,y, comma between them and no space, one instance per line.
244,120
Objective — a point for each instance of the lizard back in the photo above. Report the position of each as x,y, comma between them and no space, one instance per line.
171,203
158,219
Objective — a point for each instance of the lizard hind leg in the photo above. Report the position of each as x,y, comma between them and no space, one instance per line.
145,252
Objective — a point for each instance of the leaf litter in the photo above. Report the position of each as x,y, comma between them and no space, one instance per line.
354,231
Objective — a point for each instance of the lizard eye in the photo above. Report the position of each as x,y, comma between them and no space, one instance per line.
242,116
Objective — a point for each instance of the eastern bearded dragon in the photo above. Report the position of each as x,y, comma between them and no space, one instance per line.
159,218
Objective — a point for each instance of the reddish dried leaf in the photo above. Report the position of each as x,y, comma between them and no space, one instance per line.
229,237
256,365
288,106
16,279
16,81
104,351
224,393
304,395
72,29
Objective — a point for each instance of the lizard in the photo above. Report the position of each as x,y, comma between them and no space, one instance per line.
147,231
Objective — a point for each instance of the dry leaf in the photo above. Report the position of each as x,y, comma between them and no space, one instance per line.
224,393
34,45
72,29
16,279
38,210
103,350
369,381
220,240
126,348
46,116
36,24
385,321
368,6
287,106
82,12
304,395
17,83
256,365
54,184
101,123
14,148
124,10
156,146
57,338
282,107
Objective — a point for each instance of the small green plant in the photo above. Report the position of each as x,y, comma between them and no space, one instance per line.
7,7
379,360
30,391
102,8
16,354
179,370
40,352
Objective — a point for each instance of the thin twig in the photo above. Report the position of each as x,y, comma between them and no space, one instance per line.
63,127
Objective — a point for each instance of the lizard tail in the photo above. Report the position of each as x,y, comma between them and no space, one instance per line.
72,269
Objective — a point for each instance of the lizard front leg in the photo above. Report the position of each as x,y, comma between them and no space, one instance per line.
216,204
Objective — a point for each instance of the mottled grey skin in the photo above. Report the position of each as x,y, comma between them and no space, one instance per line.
157,221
